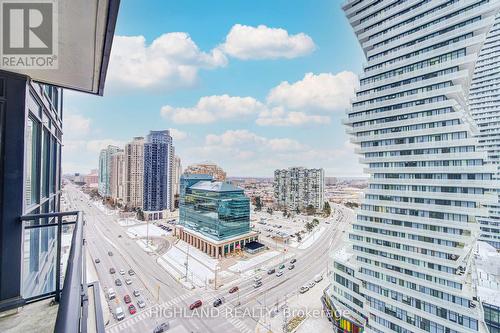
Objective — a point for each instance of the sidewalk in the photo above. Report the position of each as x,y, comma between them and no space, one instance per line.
307,306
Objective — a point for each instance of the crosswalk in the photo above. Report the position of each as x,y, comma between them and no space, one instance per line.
238,324
131,321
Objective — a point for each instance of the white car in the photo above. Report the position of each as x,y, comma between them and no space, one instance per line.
119,313
279,273
311,284
122,271
257,278
128,281
303,289
318,278
141,304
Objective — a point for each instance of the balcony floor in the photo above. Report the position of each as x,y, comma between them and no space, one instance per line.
35,317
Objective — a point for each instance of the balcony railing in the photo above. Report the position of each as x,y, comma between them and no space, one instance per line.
52,242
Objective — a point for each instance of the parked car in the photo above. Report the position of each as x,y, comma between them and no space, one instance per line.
119,313
97,260
127,299
110,253
195,305
257,278
161,328
271,271
137,293
303,289
218,301
122,272
233,289
279,273
128,282
112,270
257,284
291,267
141,304
118,282
282,266
311,284
293,261
131,272
132,309
318,278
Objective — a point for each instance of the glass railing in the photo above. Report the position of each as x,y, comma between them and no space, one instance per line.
54,267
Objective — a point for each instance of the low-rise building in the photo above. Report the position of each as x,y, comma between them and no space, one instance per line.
212,169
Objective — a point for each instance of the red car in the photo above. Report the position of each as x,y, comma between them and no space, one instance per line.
195,305
132,309
233,290
127,299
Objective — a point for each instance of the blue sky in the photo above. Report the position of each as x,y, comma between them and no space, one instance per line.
250,85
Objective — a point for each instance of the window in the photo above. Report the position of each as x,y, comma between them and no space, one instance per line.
32,165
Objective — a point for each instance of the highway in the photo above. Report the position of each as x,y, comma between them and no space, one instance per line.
157,287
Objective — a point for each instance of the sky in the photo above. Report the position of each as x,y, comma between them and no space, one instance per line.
250,85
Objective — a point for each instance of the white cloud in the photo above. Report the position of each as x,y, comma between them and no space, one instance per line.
325,91
277,116
247,42
76,125
170,61
212,108
177,134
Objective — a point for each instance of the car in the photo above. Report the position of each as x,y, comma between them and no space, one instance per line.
97,260
132,309
282,266
122,272
111,294
118,282
293,261
137,293
271,271
127,299
318,278
279,273
141,304
218,301
110,253
119,236
119,313
291,267
311,284
112,270
233,290
257,284
257,278
161,328
195,305
131,272
128,282
303,289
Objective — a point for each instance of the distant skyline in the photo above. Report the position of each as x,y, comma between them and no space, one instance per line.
251,87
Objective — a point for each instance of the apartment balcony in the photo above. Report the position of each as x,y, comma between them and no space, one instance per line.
56,296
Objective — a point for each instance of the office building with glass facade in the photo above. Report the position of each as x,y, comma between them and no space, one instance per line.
214,215
105,169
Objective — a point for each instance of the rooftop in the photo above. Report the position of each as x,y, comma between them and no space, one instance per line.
216,186
488,273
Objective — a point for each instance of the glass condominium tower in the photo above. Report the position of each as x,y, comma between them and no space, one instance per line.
484,105
413,237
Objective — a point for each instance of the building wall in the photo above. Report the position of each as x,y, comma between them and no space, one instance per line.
414,232
134,173
158,167
30,183
117,181
297,188
105,170
484,102
176,179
